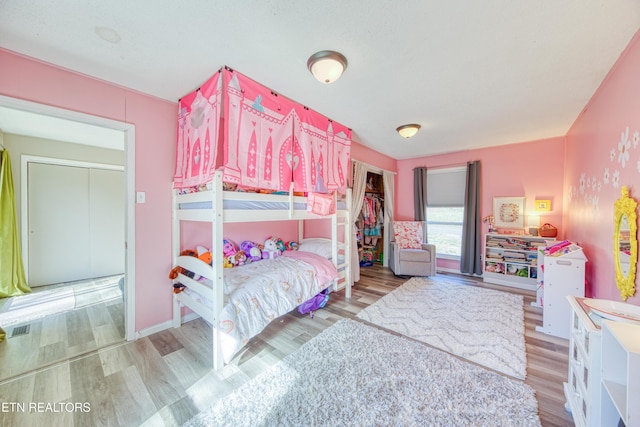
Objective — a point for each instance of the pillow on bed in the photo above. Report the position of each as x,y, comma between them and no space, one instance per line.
317,246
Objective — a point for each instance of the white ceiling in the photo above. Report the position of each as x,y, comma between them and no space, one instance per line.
472,73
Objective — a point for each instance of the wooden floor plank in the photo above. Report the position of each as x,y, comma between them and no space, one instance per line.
166,378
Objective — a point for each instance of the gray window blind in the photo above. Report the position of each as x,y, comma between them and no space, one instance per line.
445,187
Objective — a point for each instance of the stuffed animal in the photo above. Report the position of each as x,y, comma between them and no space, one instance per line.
292,246
227,186
240,258
252,250
173,274
280,244
227,262
204,255
271,250
228,248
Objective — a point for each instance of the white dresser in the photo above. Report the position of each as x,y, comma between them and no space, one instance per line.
564,273
582,389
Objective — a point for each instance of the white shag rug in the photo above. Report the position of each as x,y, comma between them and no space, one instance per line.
482,325
353,374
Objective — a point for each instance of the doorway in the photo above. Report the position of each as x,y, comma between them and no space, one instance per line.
127,260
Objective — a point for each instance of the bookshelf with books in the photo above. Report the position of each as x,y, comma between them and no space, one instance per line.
512,260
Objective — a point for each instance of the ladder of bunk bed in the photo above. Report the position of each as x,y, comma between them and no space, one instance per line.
342,218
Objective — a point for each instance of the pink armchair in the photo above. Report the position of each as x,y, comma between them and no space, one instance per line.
410,256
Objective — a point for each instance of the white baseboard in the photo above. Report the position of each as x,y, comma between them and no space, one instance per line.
189,317
456,271
164,325
153,329
447,270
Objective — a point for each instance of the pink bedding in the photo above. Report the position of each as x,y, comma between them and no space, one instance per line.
325,270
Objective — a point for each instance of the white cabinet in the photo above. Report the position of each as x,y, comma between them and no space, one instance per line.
620,374
512,260
582,389
563,276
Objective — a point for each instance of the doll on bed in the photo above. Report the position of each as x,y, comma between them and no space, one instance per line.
271,250
252,250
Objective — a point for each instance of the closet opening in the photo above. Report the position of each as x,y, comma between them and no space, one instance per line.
370,224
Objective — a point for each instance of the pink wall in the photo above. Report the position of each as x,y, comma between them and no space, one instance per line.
366,155
155,128
594,172
530,169
155,133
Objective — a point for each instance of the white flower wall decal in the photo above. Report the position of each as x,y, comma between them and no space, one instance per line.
588,188
572,193
623,147
594,204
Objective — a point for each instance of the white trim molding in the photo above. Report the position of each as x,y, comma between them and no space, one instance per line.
129,171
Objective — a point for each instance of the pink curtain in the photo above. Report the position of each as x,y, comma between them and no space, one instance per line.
198,132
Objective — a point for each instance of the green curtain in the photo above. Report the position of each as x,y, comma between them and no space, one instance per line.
12,278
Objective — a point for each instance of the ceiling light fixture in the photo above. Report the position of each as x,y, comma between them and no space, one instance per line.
327,65
407,131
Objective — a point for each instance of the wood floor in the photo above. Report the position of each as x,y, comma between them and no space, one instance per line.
96,321
166,378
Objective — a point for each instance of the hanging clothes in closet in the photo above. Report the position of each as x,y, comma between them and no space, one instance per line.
372,218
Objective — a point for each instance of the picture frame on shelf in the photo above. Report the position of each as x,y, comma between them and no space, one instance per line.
509,212
543,205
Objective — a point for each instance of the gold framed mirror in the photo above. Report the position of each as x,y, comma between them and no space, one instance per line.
625,243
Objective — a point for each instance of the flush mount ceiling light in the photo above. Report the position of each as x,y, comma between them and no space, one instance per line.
327,66
407,131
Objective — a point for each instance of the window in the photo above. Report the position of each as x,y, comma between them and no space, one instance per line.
444,229
445,210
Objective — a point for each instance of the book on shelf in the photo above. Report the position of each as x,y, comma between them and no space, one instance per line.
514,254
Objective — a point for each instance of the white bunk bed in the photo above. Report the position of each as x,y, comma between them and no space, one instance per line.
218,207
